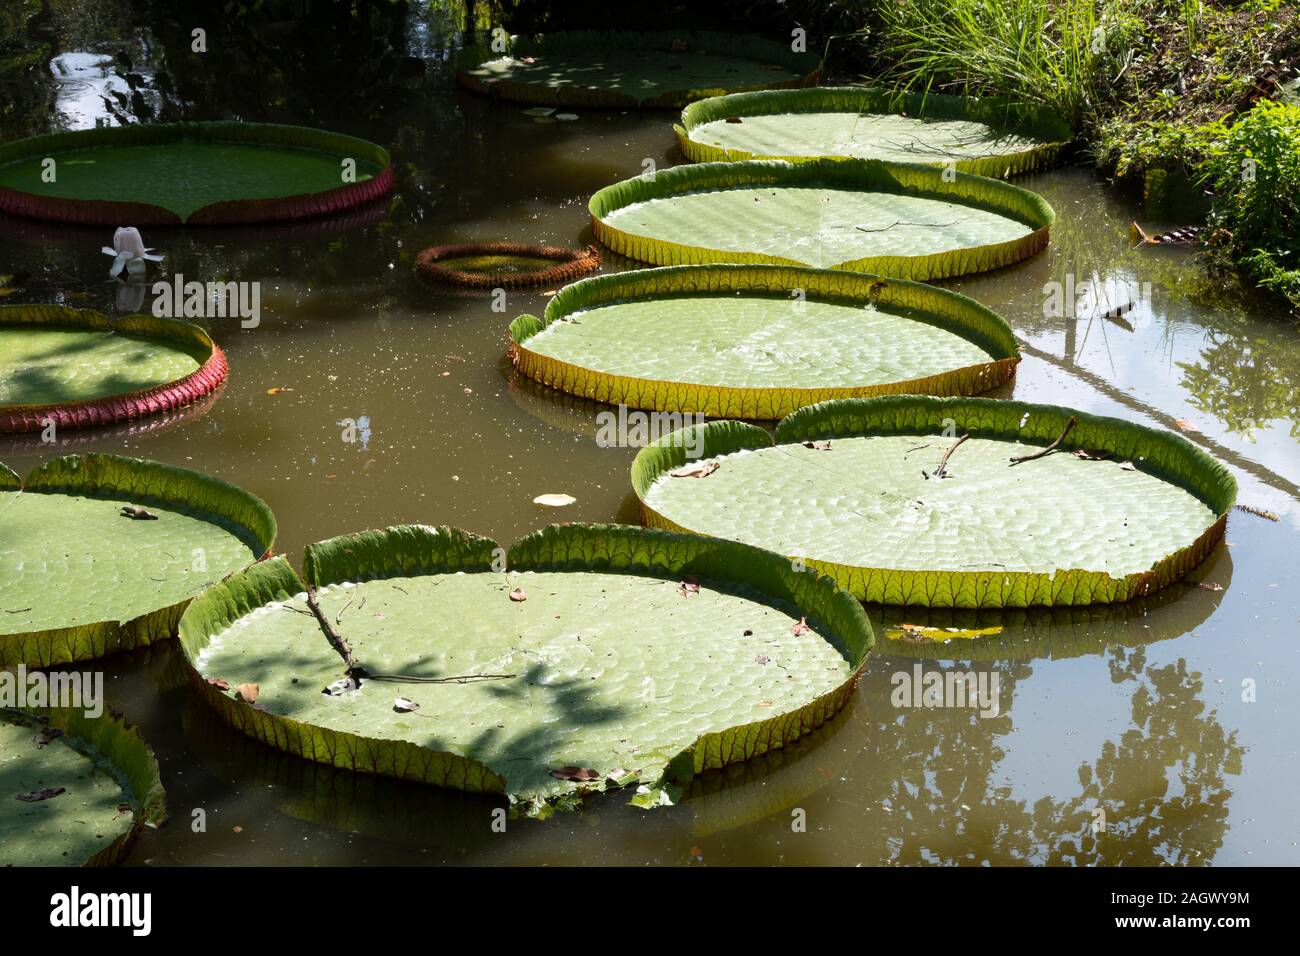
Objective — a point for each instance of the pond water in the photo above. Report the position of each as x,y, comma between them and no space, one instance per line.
1135,711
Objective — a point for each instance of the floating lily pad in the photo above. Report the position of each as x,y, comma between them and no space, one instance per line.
909,221
988,137
79,368
759,341
84,578
603,652
489,265
653,69
883,512
74,790
165,174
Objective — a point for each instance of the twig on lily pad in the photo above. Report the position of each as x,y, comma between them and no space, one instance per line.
335,638
1050,448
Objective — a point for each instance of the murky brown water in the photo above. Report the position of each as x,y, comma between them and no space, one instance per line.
1137,711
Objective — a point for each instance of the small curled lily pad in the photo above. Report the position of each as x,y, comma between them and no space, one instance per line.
73,368
84,577
74,790
604,667
893,219
986,136
758,341
489,265
963,502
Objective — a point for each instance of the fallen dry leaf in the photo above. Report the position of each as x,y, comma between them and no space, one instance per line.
276,390
699,469
800,628
36,796
137,514
580,774
688,587
219,683
818,445
517,594
1186,426
248,693
1090,454
761,659
1128,466
554,501
405,706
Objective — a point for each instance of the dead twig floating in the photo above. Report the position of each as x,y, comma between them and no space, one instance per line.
1249,509
942,470
336,640
338,617
1050,448
459,679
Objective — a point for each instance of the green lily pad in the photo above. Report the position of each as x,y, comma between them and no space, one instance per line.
162,173
604,653
908,221
988,137
74,790
83,580
652,69
1134,511
759,341
77,367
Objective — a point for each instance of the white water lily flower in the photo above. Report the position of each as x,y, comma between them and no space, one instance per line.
129,252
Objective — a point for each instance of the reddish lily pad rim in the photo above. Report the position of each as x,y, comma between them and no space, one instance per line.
571,263
108,212
154,400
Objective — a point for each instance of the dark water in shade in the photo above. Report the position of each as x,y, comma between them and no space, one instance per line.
1137,710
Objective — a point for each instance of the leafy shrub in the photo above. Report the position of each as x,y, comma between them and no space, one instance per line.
1255,172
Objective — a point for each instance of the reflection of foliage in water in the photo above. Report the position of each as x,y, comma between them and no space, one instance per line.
1150,821
928,780
1247,376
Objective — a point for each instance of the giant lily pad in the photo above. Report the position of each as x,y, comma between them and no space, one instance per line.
164,174
602,653
76,368
879,494
74,790
988,137
909,221
83,578
653,69
759,341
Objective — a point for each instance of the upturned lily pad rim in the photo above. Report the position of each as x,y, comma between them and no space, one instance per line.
109,738
873,175
150,483
569,264
235,210
1166,455
106,410
417,550
953,311
806,66
1025,119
